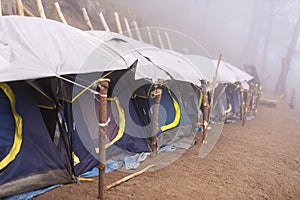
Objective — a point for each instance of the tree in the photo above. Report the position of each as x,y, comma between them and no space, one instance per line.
267,41
286,61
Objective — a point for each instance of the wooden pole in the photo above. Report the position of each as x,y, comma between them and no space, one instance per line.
28,12
60,14
138,33
40,9
212,96
248,101
161,44
118,23
103,90
292,100
0,8
20,7
242,105
127,27
157,97
259,93
168,41
103,21
215,82
87,19
150,35
205,104
126,178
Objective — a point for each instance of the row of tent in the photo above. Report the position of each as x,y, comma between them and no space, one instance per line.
49,105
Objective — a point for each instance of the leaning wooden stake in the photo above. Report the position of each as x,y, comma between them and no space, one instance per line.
118,23
20,7
0,8
128,177
103,90
156,94
212,97
205,104
138,33
149,35
28,12
103,21
87,19
248,101
60,14
215,83
40,9
127,27
161,44
168,41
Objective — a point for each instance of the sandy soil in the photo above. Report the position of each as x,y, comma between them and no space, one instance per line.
258,161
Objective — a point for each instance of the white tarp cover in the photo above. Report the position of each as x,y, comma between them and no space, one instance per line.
34,48
153,63
206,66
232,74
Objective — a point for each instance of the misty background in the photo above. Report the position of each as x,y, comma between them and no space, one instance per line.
252,32
256,32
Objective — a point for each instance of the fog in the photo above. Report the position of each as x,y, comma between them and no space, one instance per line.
245,31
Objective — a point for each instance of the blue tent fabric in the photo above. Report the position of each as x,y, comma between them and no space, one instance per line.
29,195
7,129
38,155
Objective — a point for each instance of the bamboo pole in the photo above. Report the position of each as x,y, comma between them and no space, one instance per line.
87,19
156,94
168,41
205,104
212,96
159,39
150,35
103,21
215,82
137,30
0,8
127,27
242,105
20,7
128,178
60,14
259,93
40,9
103,90
118,23
248,101
28,12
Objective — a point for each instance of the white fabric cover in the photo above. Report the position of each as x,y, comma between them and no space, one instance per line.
34,48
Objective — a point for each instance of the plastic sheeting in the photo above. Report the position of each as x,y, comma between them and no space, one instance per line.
33,48
153,63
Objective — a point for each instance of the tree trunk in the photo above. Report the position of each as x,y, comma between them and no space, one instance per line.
286,61
249,49
267,42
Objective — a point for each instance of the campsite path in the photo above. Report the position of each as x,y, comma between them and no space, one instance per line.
258,161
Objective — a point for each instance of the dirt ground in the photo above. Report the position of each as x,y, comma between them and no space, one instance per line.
258,161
